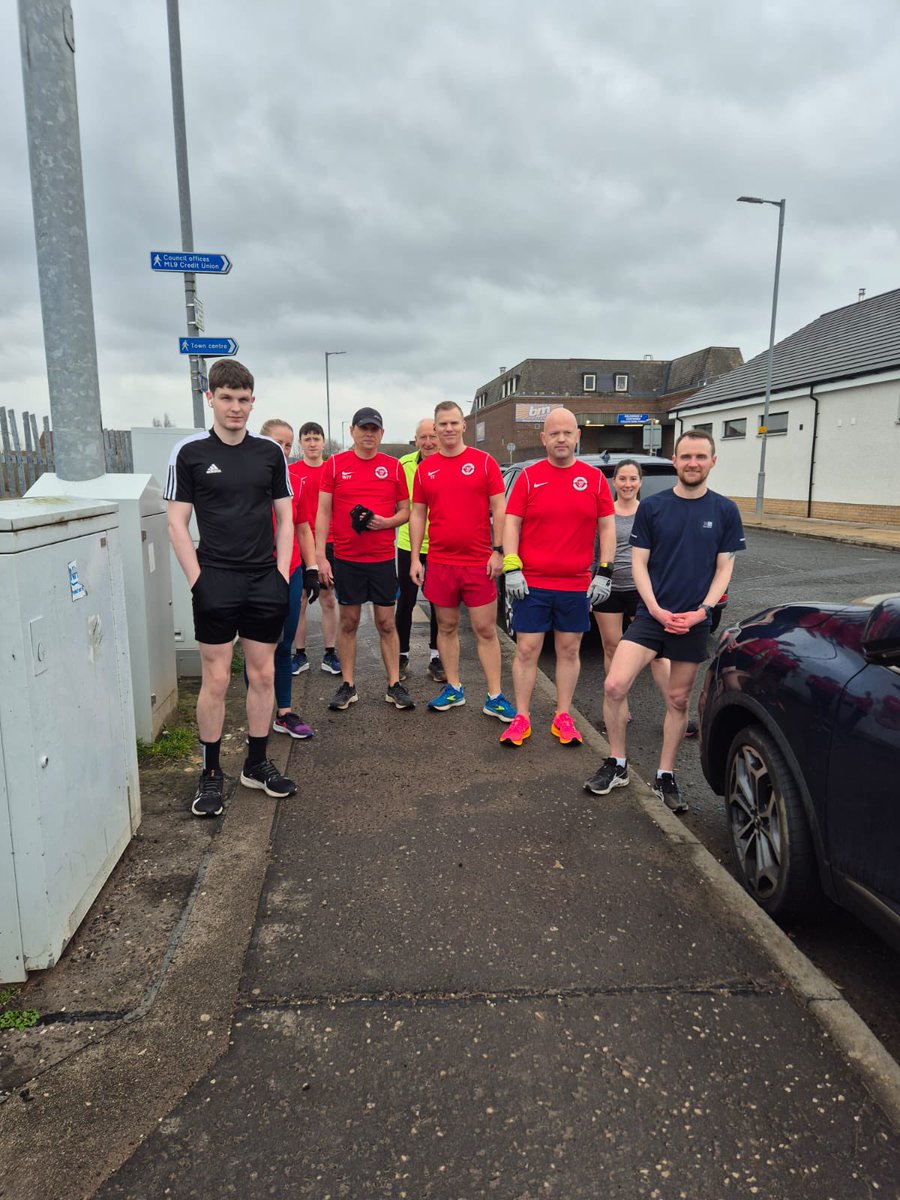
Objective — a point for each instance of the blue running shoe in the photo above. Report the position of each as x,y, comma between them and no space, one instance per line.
500,708
450,697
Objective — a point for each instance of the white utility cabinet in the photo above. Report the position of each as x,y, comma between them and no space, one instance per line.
151,448
69,791
144,544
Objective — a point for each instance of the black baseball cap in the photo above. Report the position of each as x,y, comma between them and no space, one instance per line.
367,416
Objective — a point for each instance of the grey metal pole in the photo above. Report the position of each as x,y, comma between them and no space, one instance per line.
761,478
184,201
60,231
327,403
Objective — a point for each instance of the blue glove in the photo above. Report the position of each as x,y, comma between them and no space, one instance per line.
516,587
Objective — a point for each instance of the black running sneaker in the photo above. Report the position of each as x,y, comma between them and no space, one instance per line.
667,789
344,697
691,730
208,801
404,666
610,776
266,776
399,696
436,671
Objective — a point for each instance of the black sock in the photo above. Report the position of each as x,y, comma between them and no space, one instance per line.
329,649
210,751
299,649
256,751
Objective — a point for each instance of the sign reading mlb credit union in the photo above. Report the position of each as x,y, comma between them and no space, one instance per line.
535,414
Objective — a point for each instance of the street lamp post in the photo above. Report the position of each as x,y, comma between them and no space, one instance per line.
761,478
329,354
344,427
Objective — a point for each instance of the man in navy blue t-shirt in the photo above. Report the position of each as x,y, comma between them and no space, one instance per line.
683,547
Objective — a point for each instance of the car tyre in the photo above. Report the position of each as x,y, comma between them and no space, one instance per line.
769,833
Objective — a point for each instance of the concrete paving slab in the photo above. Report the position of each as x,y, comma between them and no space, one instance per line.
639,1096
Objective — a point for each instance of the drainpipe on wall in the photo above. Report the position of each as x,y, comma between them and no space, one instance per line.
812,452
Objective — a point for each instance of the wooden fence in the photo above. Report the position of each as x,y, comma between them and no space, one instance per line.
23,460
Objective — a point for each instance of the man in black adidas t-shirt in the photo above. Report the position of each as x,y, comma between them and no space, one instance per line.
238,574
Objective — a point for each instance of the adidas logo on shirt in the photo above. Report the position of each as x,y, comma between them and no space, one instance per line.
212,469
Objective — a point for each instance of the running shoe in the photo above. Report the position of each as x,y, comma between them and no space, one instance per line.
517,731
208,801
399,696
343,697
266,776
450,697
609,776
331,663
299,663
436,671
291,724
563,727
691,731
667,790
500,708
404,666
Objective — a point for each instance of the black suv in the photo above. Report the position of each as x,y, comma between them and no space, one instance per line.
800,732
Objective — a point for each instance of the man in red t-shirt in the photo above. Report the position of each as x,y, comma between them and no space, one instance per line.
460,489
308,471
554,512
363,497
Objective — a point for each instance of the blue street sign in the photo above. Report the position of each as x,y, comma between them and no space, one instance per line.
199,264
211,347
632,418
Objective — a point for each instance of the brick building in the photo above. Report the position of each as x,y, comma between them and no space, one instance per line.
613,399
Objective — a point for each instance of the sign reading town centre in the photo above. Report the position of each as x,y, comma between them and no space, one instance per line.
208,347
188,261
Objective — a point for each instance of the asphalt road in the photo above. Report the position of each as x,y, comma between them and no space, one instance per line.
776,568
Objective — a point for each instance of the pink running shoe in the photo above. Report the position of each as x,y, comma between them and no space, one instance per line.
517,731
563,727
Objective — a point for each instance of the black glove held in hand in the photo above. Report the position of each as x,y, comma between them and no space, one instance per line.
311,584
360,516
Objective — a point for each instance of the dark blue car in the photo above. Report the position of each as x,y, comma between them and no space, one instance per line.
800,729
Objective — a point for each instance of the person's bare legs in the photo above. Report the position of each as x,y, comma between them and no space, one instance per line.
678,697
568,667
448,642
259,659
346,640
483,620
610,627
390,642
215,668
628,662
328,613
659,669
524,669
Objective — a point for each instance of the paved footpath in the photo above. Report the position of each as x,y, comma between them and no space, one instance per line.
467,977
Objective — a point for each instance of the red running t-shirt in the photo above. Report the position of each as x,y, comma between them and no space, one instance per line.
458,491
378,483
302,509
559,507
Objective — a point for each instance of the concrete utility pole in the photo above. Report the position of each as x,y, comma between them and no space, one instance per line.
60,232
197,365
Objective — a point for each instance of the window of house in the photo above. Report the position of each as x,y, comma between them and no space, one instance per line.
621,383
706,427
589,383
778,423
736,428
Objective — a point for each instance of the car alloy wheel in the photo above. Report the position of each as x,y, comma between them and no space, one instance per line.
769,833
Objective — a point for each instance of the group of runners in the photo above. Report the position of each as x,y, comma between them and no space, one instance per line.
362,527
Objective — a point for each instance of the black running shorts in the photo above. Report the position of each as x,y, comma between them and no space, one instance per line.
252,604
357,583
679,647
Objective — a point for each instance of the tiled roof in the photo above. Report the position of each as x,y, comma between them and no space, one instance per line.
855,340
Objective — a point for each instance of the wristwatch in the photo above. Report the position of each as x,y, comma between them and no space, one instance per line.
497,549
707,608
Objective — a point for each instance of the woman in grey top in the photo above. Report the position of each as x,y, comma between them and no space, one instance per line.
616,613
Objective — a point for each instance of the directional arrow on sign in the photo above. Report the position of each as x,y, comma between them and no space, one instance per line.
208,347
197,264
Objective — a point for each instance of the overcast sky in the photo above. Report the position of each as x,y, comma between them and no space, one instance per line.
442,190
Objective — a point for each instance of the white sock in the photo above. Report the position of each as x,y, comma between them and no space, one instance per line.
621,762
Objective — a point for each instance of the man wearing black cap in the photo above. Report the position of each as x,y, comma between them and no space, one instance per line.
363,495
